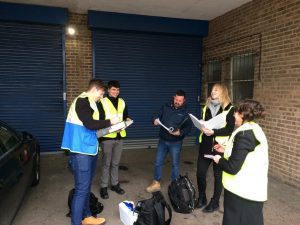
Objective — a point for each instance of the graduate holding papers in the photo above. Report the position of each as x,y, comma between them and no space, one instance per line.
216,125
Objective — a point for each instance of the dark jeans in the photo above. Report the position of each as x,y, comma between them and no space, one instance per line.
202,167
163,148
83,168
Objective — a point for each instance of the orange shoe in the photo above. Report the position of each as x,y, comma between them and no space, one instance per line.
93,221
155,186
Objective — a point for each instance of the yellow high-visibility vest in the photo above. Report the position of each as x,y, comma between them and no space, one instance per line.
252,179
220,139
77,138
112,112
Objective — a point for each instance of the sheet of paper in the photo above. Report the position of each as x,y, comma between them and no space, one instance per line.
119,126
216,122
209,156
197,123
170,129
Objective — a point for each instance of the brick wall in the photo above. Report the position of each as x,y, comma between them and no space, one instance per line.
78,57
270,29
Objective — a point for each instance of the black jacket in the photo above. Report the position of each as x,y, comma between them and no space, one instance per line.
85,114
206,146
176,118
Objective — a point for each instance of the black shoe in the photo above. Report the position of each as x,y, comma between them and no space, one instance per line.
117,189
202,201
103,193
211,207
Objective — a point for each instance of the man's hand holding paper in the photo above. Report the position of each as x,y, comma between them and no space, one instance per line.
175,132
156,122
170,129
114,120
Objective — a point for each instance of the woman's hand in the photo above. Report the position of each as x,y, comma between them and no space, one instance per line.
216,158
207,132
219,148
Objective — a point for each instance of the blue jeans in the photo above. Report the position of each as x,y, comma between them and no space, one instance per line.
83,168
163,148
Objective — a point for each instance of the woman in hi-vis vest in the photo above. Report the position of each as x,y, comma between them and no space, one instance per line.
217,103
245,167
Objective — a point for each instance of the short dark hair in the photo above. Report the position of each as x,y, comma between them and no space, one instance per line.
113,83
96,83
180,92
250,109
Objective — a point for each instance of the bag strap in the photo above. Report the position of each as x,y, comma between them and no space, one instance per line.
169,212
191,191
159,213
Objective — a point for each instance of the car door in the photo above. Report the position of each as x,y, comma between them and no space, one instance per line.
12,179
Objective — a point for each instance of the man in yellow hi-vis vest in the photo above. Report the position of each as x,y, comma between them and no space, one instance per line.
112,107
81,140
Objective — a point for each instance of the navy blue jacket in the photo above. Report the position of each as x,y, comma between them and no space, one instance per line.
176,118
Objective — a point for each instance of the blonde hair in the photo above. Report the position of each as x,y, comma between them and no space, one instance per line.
224,95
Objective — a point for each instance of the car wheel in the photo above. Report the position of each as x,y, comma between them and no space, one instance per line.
36,170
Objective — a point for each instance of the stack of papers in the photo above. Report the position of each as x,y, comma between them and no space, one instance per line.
170,129
216,122
119,126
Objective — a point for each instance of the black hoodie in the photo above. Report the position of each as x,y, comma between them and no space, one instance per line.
177,118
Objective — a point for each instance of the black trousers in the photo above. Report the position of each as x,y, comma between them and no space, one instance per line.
240,211
202,167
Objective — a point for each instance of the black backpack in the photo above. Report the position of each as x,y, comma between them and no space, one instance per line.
152,211
95,206
182,194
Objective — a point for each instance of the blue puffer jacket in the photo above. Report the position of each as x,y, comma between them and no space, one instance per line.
176,118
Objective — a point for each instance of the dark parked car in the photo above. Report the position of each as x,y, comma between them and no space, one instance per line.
19,168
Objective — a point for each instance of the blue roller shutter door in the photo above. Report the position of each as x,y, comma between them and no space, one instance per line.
150,67
31,75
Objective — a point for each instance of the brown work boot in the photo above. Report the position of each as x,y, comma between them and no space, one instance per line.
155,186
93,221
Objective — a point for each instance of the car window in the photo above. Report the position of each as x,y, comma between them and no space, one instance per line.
8,139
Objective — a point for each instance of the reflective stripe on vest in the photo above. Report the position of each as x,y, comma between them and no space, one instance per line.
111,112
251,181
77,138
220,139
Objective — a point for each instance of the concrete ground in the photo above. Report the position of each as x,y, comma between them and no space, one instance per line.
46,204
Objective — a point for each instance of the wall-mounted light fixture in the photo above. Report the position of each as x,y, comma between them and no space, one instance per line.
71,30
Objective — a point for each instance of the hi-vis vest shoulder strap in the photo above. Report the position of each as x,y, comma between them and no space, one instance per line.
252,179
111,112
77,138
220,139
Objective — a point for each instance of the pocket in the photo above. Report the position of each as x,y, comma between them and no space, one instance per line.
83,162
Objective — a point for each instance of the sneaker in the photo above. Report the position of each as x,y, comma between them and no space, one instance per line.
155,186
103,193
93,221
211,207
117,189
